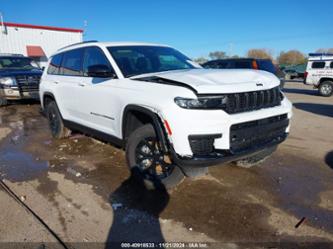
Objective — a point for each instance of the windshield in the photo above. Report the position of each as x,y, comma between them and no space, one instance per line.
8,63
135,60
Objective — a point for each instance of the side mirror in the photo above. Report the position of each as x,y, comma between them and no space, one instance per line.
100,71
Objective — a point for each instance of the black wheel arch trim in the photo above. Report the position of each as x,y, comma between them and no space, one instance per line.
47,94
157,123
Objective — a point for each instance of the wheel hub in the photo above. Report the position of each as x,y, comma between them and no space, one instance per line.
151,159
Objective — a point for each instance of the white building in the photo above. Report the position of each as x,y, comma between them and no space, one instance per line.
38,42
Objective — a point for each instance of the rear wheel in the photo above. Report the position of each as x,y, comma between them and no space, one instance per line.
56,123
326,88
148,162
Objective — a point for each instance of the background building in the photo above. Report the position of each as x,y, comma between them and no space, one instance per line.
38,42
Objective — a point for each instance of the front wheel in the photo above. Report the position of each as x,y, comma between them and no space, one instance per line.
147,161
326,88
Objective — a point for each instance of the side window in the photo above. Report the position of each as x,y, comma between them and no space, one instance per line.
210,65
243,64
72,63
331,65
221,65
94,56
318,64
54,65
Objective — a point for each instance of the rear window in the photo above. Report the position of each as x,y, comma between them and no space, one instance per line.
266,65
55,64
318,64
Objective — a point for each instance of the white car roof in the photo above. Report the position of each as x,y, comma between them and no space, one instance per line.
107,44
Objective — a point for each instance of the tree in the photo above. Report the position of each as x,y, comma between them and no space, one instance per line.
217,55
260,53
200,60
292,57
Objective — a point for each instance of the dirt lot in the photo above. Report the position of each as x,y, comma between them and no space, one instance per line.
82,190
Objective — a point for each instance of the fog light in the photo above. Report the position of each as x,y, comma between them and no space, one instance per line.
203,144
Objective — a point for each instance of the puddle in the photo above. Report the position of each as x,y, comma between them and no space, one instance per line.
19,166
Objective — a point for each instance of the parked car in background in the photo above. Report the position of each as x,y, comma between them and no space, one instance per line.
246,63
319,73
172,117
290,74
19,78
294,72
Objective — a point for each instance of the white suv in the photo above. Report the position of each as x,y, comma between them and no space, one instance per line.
319,73
173,117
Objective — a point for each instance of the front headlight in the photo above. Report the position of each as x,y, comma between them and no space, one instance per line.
8,81
215,102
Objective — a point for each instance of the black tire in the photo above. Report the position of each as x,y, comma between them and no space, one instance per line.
256,159
144,159
326,88
57,127
3,102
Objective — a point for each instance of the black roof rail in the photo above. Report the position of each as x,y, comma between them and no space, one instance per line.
77,44
320,54
11,55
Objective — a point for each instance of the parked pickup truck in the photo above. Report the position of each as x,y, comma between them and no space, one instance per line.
172,116
319,73
19,78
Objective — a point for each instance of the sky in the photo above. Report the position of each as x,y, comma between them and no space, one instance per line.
192,26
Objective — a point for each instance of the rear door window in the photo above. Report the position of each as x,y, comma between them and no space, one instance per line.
72,63
318,64
54,65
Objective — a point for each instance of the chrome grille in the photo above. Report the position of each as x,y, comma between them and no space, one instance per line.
28,83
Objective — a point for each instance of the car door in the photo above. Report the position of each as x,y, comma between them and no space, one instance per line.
99,100
69,80
316,71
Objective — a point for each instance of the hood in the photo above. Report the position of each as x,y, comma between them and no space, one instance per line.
207,81
16,72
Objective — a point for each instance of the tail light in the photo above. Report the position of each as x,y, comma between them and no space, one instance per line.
254,65
305,75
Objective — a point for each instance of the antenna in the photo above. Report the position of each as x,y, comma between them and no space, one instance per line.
3,29
85,26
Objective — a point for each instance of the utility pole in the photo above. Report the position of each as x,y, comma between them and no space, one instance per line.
2,24
85,26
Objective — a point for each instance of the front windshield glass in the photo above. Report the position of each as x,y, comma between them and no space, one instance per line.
9,63
136,60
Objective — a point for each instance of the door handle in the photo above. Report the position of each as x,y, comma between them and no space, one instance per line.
82,84
56,82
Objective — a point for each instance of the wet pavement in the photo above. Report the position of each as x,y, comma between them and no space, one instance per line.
83,190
